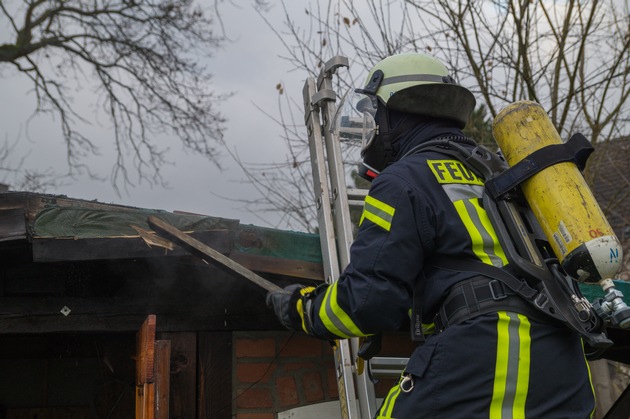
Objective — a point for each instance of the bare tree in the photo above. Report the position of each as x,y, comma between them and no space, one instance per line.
282,187
143,58
572,57
14,174
286,186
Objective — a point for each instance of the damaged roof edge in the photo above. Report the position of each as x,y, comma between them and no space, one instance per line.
63,229
46,220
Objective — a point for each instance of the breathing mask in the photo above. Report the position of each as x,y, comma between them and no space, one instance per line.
355,121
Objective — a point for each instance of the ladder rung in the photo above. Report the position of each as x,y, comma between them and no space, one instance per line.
382,366
355,203
357,194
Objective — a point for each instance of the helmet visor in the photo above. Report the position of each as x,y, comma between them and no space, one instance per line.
354,119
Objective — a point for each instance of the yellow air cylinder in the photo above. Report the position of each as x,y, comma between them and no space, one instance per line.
559,197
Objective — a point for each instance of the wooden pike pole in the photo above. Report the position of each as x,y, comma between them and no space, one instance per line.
208,254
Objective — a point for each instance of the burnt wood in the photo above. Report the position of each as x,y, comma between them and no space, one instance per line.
207,253
183,397
12,224
214,375
162,378
185,293
286,267
43,315
71,249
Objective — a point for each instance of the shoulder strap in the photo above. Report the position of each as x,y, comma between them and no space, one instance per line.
577,150
441,144
499,177
477,158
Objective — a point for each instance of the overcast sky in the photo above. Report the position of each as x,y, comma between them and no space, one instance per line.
249,66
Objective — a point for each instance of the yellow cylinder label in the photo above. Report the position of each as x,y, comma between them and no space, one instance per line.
558,195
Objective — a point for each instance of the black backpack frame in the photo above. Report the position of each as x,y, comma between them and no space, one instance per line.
533,272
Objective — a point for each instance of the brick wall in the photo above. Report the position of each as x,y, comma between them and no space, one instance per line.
277,371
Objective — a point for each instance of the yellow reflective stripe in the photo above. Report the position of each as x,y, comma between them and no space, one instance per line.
388,404
377,220
511,379
300,305
335,318
524,356
485,221
485,243
475,236
387,209
378,212
428,328
501,366
590,380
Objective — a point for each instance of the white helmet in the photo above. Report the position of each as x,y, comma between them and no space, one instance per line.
420,84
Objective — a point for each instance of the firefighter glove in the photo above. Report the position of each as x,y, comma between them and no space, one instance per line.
291,306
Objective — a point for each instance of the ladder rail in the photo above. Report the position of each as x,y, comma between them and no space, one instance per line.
341,217
320,183
342,350
356,391
333,201
336,172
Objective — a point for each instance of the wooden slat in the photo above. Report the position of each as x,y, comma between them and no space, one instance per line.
146,351
65,412
42,315
70,249
208,254
12,224
279,266
215,375
147,402
145,359
162,378
183,398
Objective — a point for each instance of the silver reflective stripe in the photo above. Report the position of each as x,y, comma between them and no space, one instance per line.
466,199
488,240
457,191
336,321
513,364
334,318
413,77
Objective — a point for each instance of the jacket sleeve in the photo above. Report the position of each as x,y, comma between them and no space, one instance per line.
374,293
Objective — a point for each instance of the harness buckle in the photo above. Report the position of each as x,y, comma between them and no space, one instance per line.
497,290
541,301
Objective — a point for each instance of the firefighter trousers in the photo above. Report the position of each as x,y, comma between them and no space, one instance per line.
498,365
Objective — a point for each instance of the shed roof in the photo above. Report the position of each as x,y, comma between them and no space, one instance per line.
103,264
60,229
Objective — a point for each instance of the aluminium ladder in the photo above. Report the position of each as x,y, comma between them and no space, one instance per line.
333,198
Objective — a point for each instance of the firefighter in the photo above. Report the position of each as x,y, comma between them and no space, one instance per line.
490,354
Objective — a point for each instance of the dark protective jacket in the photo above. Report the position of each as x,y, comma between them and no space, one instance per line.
497,365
